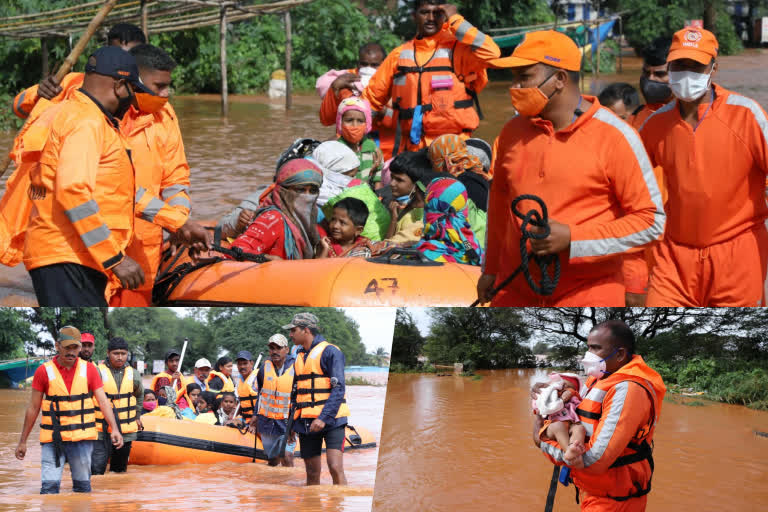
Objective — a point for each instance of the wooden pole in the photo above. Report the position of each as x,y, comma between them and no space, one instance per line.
621,43
145,19
69,62
288,51
223,62
44,51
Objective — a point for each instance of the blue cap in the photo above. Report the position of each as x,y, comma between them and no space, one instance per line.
115,62
244,354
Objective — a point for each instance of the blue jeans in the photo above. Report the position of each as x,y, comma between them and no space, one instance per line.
79,457
271,445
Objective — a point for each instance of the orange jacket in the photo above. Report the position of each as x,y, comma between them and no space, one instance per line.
26,100
639,116
593,176
620,413
384,124
87,214
462,47
162,183
716,175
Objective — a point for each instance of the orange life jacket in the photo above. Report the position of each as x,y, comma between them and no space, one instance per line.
247,395
73,408
228,384
636,461
275,401
447,100
123,401
181,385
313,387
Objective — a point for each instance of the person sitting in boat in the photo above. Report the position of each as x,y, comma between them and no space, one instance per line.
340,165
227,412
171,373
450,154
343,239
407,204
188,403
448,235
150,402
285,225
166,404
556,404
205,411
220,379
353,124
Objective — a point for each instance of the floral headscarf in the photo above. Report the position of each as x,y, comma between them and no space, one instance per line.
447,233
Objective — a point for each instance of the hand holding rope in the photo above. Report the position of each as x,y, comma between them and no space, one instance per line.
533,218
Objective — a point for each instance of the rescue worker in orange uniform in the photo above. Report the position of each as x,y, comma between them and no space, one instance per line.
275,382
433,80
587,165
620,410
65,387
370,58
81,224
162,174
654,85
321,403
125,393
122,35
712,145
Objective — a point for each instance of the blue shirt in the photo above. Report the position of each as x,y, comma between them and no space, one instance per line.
266,425
332,364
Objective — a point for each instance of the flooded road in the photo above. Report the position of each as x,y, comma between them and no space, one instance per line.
189,487
453,443
230,157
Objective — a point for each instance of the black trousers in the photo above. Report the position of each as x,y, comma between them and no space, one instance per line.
118,459
69,284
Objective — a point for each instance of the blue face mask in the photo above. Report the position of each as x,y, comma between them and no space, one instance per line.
403,199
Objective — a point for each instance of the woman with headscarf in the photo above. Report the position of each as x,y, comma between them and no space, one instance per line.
353,124
339,165
450,154
284,226
447,233
167,406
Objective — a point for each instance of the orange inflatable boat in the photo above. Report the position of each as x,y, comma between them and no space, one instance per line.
167,441
398,279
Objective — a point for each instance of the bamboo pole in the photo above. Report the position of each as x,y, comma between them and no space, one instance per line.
288,51
44,51
66,66
223,61
621,43
145,19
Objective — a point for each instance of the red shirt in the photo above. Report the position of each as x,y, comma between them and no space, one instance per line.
265,235
40,379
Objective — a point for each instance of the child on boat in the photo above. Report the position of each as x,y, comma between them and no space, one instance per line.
345,227
188,403
227,412
353,124
340,165
557,404
205,411
407,205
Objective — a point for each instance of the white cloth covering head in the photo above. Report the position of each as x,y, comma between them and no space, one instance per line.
335,158
548,401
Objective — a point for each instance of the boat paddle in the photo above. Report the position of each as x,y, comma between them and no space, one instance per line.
253,417
68,63
181,360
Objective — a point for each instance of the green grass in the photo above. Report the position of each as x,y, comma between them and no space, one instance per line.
359,381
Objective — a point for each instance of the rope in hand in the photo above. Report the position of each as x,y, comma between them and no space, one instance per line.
546,286
238,254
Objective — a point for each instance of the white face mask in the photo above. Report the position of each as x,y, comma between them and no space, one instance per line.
365,74
593,365
689,86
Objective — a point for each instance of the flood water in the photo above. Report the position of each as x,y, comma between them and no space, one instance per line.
453,443
230,157
222,486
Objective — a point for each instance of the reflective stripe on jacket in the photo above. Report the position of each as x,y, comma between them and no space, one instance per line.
275,400
73,409
123,401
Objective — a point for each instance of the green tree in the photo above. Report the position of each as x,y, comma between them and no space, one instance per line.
407,341
16,334
483,337
48,320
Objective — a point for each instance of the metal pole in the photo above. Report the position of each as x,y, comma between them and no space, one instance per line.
223,52
145,19
288,51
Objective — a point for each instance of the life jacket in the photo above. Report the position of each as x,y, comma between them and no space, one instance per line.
275,400
312,386
247,395
73,410
635,464
228,384
446,100
123,401
15,205
181,385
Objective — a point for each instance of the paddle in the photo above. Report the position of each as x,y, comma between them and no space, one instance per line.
181,360
66,66
255,410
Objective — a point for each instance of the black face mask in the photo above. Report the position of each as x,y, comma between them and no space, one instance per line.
123,104
161,400
655,92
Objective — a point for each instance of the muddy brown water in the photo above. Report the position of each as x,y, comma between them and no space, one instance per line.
453,443
230,157
189,487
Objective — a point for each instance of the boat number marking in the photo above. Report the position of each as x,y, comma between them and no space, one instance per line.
387,283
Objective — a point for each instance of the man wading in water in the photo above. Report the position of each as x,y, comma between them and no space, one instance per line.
620,410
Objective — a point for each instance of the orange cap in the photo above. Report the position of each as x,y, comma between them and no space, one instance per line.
693,43
544,46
